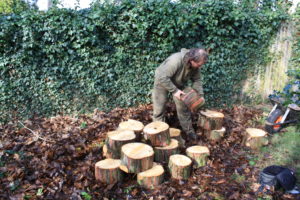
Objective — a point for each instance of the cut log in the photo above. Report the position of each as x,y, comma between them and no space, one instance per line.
108,171
136,157
215,135
116,139
176,134
133,125
162,154
255,138
180,166
198,154
151,177
210,120
157,133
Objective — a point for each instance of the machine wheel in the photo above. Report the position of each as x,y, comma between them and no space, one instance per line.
275,117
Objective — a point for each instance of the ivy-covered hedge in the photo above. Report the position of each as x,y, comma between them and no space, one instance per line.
66,60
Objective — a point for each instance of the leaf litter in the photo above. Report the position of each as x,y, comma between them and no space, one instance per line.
54,158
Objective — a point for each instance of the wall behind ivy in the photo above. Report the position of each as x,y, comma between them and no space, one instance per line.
65,61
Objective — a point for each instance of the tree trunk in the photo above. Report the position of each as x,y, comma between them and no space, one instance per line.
108,171
180,166
215,135
157,133
136,157
210,120
152,177
162,154
133,125
198,154
116,139
255,138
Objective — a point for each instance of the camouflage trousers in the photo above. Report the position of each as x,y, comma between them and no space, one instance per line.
160,98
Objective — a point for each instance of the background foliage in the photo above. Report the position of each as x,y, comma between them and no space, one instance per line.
66,60
13,6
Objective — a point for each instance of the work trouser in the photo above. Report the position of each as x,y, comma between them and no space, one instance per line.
160,98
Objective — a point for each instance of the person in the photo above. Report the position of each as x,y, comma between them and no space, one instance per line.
171,77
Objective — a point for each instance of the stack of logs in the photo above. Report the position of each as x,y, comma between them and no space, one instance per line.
145,150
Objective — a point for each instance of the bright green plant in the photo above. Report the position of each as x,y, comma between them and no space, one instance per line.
64,61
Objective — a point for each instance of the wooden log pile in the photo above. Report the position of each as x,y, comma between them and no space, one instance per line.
149,151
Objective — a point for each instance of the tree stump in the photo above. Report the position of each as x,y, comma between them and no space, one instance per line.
162,154
116,139
198,154
176,134
210,120
215,135
133,125
108,171
151,177
136,157
180,166
157,133
255,138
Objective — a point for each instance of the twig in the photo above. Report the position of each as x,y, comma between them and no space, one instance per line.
34,133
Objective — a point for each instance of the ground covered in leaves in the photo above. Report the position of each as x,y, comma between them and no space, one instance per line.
54,158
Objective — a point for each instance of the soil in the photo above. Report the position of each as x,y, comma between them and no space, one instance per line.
54,158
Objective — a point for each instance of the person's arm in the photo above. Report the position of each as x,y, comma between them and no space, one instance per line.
197,82
165,72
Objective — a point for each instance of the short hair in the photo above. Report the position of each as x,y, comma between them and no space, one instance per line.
196,54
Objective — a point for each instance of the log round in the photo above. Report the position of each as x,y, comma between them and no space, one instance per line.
255,138
162,154
180,166
198,154
157,133
116,139
215,135
108,171
151,177
176,134
133,125
210,120
136,157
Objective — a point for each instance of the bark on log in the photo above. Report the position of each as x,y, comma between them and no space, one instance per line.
157,133
151,177
176,134
133,125
255,138
180,166
116,139
108,171
136,157
198,154
215,135
210,120
162,154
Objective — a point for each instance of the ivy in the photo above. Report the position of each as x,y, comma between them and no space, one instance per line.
66,61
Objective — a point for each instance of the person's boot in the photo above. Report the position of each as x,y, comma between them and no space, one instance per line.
192,136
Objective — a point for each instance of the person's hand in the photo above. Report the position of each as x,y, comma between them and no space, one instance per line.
178,94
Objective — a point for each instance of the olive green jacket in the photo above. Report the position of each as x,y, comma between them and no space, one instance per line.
173,74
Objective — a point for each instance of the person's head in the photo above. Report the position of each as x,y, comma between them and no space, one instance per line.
196,57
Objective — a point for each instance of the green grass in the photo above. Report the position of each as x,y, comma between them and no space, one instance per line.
284,150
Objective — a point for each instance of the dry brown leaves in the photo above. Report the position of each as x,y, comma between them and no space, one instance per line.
54,159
